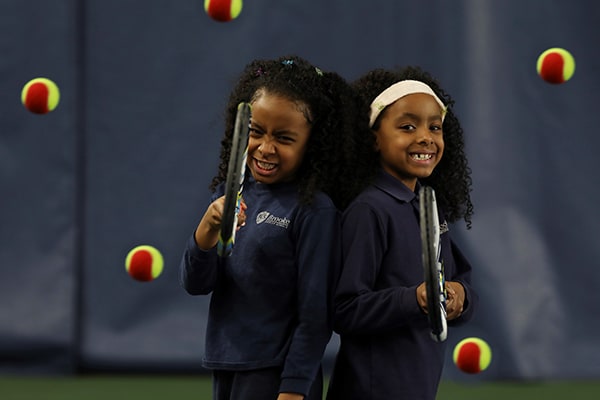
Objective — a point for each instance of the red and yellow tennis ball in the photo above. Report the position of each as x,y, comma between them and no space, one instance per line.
472,355
555,65
144,263
223,10
40,95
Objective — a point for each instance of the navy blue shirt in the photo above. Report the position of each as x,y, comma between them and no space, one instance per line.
271,299
386,350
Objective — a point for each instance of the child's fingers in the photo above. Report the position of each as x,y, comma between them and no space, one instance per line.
242,214
241,219
422,297
454,300
214,213
453,311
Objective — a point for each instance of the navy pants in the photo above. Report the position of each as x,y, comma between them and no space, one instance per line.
260,384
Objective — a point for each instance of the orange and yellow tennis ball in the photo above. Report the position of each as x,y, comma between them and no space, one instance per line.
223,10
144,263
472,355
40,95
555,65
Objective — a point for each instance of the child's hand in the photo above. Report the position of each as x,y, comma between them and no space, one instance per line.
214,213
422,297
242,214
207,232
455,300
290,396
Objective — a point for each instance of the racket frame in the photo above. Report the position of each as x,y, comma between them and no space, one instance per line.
432,265
234,182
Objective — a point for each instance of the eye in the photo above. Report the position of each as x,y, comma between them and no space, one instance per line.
406,127
285,139
254,132
435,127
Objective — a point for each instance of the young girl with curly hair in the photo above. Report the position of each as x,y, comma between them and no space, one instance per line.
386,350
270,311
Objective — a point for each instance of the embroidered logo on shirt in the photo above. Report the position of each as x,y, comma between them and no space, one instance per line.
268,218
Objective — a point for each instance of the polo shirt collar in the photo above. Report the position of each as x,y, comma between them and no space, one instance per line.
395,188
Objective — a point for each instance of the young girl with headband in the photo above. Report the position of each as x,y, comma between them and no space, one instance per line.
386,350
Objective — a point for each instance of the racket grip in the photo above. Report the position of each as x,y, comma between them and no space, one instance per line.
224,249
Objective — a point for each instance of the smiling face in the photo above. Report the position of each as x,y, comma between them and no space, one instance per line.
279,132
409,138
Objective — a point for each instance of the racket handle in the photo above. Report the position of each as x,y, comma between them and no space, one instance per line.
442,334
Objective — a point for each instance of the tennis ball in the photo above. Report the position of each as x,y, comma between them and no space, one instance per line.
40,95
555,65
472,355
223,10
144,263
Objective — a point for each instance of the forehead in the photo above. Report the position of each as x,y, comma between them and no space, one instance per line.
277,103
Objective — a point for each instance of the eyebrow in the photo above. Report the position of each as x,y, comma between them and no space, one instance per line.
277,132
418,117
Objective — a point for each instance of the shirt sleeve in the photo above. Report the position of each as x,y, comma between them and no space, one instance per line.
317,253
198,269
360,307
463,276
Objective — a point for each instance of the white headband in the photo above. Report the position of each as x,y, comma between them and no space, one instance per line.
396,92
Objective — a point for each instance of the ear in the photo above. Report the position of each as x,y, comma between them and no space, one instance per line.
376,144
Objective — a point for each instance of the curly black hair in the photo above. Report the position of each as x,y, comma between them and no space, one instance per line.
331,108
451,179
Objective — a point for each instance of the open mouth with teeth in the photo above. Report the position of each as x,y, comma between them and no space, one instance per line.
265,166
421,156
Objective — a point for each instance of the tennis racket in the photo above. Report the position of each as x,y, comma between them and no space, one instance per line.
432,266
234,181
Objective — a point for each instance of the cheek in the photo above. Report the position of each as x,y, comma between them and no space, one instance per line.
294,156
252,145
440,152
439,141
298,150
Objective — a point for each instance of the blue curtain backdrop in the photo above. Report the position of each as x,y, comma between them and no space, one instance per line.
127,156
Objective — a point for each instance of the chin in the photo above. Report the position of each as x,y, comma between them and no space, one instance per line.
263,179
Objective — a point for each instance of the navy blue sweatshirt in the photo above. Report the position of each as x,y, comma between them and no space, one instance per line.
386,351
271,299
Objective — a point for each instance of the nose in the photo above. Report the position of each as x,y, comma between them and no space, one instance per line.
266,147
425,136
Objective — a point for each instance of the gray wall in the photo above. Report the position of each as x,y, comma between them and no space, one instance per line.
126,158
